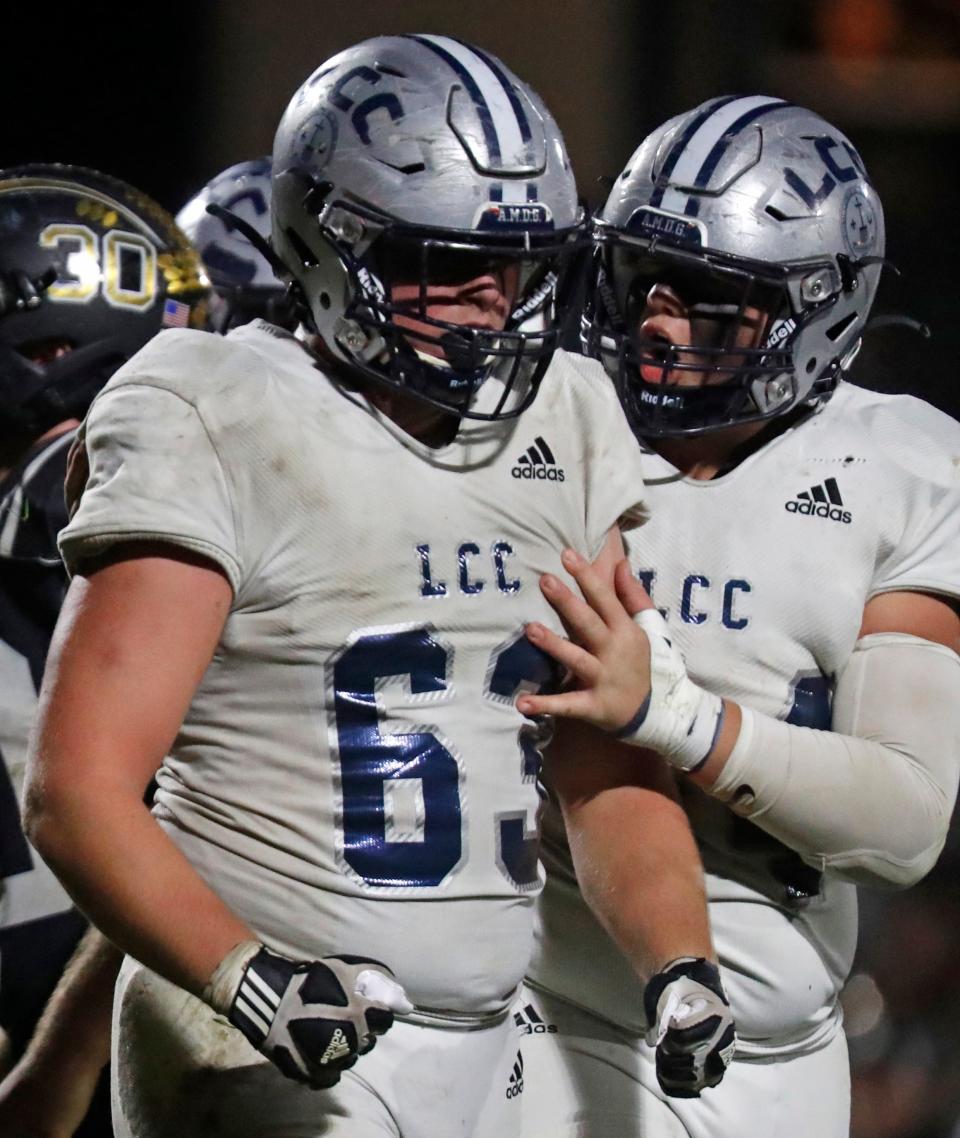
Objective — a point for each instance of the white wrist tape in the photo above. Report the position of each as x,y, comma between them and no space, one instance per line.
223,984
678,719
871,800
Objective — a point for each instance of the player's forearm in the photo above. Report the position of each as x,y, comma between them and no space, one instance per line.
131,880
49,1090
639,871
872,800
635,856
74,1029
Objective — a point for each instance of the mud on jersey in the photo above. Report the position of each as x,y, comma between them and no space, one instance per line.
353,774
763,575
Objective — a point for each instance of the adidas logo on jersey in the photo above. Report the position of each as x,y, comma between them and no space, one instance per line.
515,1082
538,462
530,1023
337,1048
822,501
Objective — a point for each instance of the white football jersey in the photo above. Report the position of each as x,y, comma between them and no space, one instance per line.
763,574
353,775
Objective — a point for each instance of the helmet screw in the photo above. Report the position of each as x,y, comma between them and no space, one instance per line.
348,228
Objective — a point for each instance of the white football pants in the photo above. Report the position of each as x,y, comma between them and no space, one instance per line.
180,1069
584,1078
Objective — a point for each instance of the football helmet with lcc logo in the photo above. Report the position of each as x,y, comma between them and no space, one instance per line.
243,280
752,225
421,159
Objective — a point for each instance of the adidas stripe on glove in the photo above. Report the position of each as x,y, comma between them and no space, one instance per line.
678,719
310,1018
691,1026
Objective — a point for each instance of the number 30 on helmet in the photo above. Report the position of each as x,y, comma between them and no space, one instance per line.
90,270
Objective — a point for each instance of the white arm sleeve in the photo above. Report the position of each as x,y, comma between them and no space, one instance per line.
871,800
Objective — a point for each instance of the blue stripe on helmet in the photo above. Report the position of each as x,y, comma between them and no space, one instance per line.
523,122
720,147
483,111
663,178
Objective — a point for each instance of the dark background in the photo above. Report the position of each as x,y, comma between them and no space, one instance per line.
166,97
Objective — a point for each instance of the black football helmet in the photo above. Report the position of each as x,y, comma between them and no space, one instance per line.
90,270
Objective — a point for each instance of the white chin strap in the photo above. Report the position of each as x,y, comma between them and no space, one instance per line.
438,362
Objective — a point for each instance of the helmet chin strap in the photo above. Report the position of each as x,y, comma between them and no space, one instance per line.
459,355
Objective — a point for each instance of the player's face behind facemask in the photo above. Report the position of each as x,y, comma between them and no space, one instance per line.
689,326
425,207
90,270
725,290
450,305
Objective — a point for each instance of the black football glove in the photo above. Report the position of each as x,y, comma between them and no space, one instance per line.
311,1018
691,1026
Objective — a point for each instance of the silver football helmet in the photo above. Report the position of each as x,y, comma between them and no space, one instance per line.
243,280
757,219
418,158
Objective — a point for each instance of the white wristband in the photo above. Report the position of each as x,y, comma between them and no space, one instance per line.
223,984
678,719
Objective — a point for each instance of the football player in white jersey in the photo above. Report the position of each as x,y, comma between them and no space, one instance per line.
800,668
303,569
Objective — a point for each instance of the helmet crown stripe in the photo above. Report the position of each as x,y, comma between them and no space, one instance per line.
488,89
710,134
678,146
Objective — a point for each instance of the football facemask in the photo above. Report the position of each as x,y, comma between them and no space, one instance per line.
692,342
754,212
440,316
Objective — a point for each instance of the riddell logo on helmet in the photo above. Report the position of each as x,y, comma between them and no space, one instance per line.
821,501
538,463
